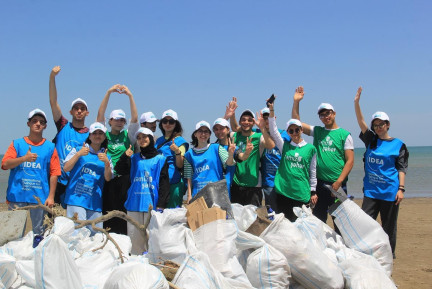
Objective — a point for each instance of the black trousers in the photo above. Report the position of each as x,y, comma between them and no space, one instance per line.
246,195
388,212
113,198
286,205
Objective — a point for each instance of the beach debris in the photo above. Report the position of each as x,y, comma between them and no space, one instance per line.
12,225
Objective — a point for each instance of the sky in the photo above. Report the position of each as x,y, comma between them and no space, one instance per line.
194,56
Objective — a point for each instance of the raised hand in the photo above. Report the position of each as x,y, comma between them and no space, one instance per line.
299,93
103,157
231,147
129,151
55,71
125,90
358,94
115,88
260,122
174,148
230,108
84,150
249,146
29,156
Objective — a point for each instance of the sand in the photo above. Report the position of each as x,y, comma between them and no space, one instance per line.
413,265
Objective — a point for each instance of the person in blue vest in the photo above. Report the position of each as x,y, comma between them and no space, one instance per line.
205,162
35,167
90,167
295,180
221,129
119,140
173,146
70,135
150,185
385,165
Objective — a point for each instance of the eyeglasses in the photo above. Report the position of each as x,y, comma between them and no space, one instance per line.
325,114
291,131
380,125
170,121
35,121
203,131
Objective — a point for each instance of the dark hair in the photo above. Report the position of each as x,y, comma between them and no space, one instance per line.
178,130
104,144
194,141
372,127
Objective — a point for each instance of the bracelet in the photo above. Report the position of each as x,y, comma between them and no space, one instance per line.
400,186
271,109
402,189
178,154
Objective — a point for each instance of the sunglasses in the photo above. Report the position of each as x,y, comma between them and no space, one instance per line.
170,121
325,114
35,121
291,131
380,125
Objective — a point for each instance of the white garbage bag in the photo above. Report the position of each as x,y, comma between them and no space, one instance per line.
136,275
363,233
26,270
169,238
244,215
21,249
217,240
54,266
96,267
309,266
20,284
64,228
8,272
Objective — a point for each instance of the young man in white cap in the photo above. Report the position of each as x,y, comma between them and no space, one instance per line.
70,135
335,153
148,120
34,166
246,186
119,140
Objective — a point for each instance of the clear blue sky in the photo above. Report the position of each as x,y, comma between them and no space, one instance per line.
193,56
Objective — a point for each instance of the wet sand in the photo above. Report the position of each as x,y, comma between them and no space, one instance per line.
413,265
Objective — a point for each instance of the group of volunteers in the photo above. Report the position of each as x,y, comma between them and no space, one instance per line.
91,171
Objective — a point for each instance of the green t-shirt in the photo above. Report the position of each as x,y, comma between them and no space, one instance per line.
330,152
117,145
292,177
247,172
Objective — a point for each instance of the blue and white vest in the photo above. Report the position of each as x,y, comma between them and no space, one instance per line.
66,140
144,189
30,178
207,167
174,173
270,162
381,179
86,183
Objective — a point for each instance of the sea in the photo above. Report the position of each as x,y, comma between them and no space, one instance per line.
418,181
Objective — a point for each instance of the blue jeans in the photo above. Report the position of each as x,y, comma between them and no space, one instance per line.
36,216
84,214
270,197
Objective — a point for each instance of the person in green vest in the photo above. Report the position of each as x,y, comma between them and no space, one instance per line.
295,180
335,153
246,186
119,140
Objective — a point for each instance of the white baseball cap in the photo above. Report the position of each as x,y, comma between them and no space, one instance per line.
36,111
143,130
380,115
201,124
325,106
170,113
118,114
247,111
293,121
148,117
97,126
265,110
222,122
78,100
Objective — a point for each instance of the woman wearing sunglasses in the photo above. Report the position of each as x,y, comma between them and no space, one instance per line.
295,180
386,163
205,162
90,167
173,146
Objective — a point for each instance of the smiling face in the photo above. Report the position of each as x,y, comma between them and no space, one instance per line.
97,137
246,123
221,132
143,140
117,124
168,124
202,134
381,127
37,124
295,132
79,112
327,117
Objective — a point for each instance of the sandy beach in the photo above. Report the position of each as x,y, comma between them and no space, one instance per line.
413,266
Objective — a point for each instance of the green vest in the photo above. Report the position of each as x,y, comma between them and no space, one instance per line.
330,152
247,172
117,145
292,177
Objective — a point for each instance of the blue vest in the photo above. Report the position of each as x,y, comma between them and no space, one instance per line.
270,162
174,173
86,183
30,178
381,179
207,167
66,140
144,175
